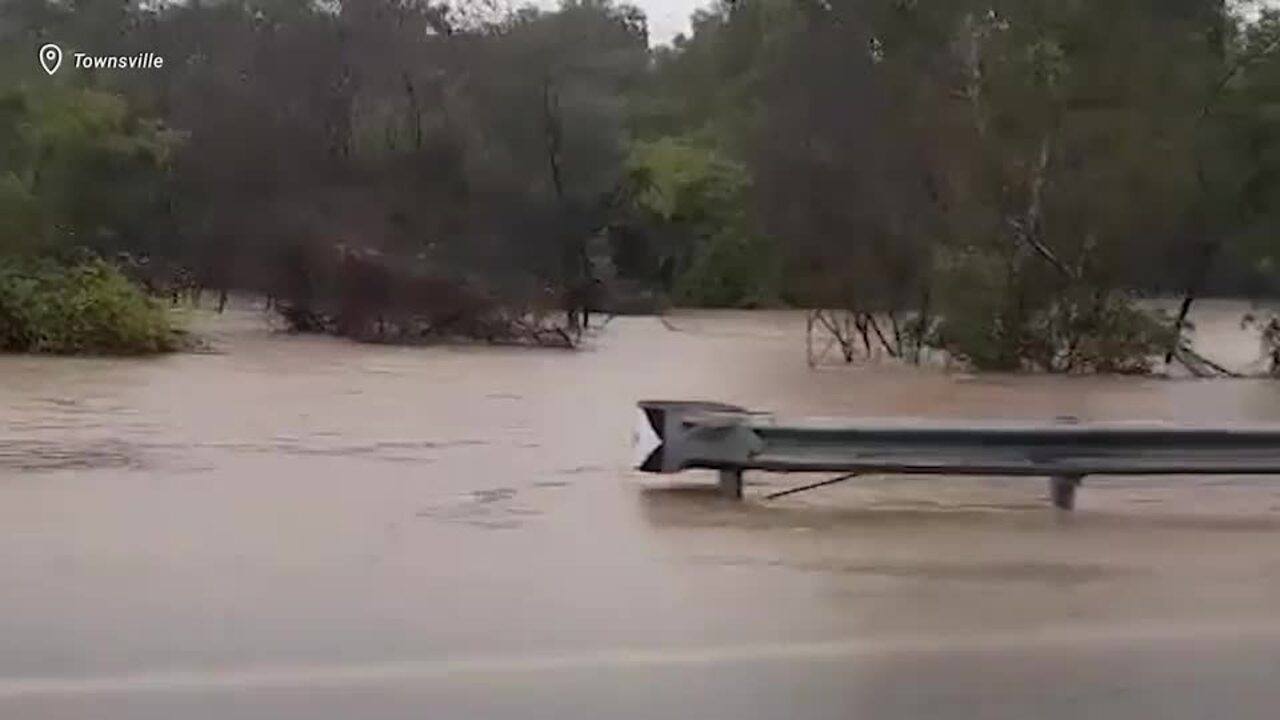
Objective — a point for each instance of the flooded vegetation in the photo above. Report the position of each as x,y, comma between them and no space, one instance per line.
999,183
386,221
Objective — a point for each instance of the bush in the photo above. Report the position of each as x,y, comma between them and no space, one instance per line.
88,307
689,231
1105,333
977,326
1001,321
730,270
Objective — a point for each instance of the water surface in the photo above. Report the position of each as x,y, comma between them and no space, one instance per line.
302,502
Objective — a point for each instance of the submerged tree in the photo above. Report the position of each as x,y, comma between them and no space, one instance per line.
1019,165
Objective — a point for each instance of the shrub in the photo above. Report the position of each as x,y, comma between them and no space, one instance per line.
690,230
88,307
1002,320
730,270
978,327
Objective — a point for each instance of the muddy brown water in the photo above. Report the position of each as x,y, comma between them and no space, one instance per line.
298,501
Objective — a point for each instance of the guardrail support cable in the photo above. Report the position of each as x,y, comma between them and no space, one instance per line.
811,486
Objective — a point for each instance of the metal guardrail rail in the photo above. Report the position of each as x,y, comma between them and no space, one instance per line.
672,436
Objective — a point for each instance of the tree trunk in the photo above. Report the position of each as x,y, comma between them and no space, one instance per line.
884,342
1199,273
1031,231
553,136
415,112
923,321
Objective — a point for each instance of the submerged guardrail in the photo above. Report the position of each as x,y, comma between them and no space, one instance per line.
672,436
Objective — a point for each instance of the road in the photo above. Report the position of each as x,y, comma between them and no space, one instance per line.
1171,673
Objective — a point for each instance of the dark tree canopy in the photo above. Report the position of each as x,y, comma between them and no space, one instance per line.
1001,176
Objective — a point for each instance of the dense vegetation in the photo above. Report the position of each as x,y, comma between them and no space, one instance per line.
995,179
87,307
78,171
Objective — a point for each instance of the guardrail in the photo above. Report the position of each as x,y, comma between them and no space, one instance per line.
672,436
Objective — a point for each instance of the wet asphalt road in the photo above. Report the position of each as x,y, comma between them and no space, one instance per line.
1219,673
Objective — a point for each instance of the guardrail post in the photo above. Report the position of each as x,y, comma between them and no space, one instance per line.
1062,488
731,483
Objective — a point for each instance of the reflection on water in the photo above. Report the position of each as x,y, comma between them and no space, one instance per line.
297,498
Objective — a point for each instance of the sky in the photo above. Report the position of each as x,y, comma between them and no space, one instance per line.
667,18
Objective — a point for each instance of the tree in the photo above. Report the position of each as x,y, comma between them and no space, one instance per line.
1019,147
688,230
81,170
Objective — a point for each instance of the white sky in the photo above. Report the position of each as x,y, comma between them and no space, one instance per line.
667,18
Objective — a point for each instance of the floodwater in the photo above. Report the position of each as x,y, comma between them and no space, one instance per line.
303,527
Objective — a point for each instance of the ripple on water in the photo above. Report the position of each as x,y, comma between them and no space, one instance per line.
416,451
41,455
35,455
496,508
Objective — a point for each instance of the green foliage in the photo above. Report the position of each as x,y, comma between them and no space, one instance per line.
992,321
1252,110
1016,166
693,203
994,175
730,269
1106,334
710,85
19,214
88,307
80,170
686,182
975,326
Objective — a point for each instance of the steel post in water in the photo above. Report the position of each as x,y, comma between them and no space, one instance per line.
731,483
1062,489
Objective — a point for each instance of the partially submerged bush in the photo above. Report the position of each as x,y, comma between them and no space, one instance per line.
366,295
1002,322
1268,326
88,307
730,269
1104,333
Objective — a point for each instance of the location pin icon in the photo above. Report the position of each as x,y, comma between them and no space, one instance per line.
50,58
